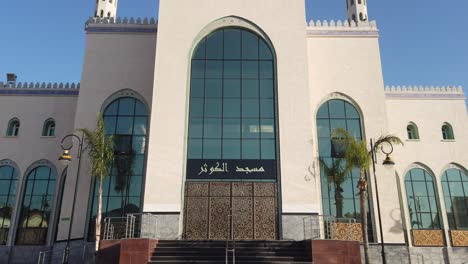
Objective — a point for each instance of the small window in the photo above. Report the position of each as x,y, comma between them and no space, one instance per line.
447,132
110,1
109,14
49,128
412,130
102,13
13,128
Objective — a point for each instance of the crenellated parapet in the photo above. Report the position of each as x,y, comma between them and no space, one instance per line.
342,28
25,88
424,92
121,25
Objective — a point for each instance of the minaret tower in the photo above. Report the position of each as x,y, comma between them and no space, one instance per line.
357,10
106,8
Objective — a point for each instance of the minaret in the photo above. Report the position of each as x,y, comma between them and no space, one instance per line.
357,10
106,8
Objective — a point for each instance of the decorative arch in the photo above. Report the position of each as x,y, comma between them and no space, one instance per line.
37,204
412,131
48,129
9,175
13,127
454,180
126,118
339,192
447,132
422,198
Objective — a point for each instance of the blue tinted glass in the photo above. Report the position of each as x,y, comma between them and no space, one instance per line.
265,52
112,108
139,126
195,149
232,44
250,70
200,50
351,111
214,46
268,149
336,108
417,175
196,107
324,147
6,172
266,108
212,128
213,88
323,111
124,125
232,88
232,69
42,172
135,185
266,88
231,108
138,162
212,148
250,128
267,128
250,88
213,108
109,124
198,69
214,69
140,109
250,108
266,70
198,88
196,128
231,149
231,128
251,149
323,128
249,46
139,144
354,127
127,106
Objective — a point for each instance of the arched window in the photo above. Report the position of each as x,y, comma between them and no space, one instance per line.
412,130
102,13
13,128
8,183
49,128
109,14
232,98
126,119
455,186
422,200
447,132
37,204
339,193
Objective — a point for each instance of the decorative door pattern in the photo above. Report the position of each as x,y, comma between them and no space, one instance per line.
208,208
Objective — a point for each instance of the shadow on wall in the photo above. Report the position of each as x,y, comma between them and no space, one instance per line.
397,228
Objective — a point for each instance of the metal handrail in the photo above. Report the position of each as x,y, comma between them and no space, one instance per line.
43,254
230,235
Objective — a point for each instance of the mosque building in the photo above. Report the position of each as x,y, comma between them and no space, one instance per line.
222,108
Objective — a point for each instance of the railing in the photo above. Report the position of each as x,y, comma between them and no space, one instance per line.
131,226
331,228
79,254
230,238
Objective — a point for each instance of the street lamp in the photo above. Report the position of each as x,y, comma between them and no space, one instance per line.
65,159
388,163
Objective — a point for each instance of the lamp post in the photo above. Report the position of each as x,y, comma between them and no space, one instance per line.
65,159
388,162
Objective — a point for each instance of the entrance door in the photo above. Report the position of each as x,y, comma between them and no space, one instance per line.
221,210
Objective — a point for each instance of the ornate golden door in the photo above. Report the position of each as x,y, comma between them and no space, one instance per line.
219,210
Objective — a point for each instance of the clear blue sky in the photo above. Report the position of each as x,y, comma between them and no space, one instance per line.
423,42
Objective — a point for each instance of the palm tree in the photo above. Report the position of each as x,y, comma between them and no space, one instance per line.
336,175
101,154
357,154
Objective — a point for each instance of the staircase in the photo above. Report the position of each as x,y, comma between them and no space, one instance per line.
255,252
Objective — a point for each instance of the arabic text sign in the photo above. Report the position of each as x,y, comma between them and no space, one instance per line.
231,169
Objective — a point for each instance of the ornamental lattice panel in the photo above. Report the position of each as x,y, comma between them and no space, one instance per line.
208,206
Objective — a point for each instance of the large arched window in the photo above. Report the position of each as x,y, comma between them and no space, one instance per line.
232,98
340,196
13,128
49,128
126,119
37,204
447,132
422,200
455,186
8,183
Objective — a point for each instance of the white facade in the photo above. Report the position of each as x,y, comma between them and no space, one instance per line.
315,63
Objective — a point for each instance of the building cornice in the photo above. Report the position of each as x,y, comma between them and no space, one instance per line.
121,25
424,92
342,29
39,89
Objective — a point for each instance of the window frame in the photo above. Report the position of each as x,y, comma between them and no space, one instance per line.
13,128
49,128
